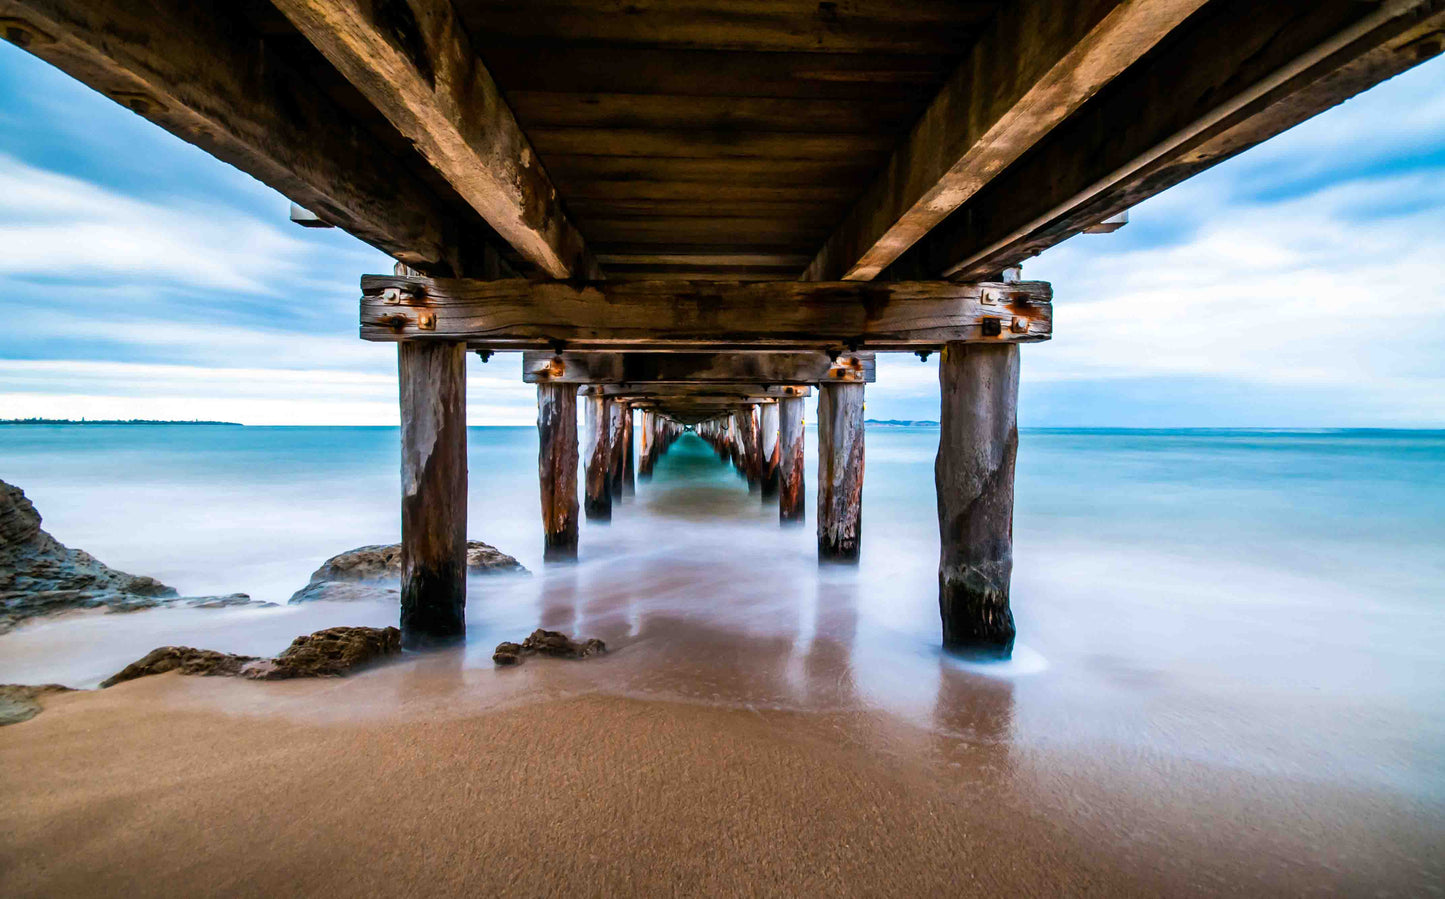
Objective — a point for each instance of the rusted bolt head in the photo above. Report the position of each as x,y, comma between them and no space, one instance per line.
992,327
1019,325
426,320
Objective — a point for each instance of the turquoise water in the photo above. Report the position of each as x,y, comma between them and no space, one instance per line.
1269,601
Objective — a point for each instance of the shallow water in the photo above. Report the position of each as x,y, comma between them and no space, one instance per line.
1267,602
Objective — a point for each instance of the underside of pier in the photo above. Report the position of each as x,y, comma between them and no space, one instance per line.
704,213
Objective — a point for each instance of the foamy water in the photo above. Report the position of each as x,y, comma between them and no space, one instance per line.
1264,601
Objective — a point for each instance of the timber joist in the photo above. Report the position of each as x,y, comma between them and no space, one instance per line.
696,368
704,315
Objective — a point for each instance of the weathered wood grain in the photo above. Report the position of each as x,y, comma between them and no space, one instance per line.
1242,73
696,368
768,433
752,448
557,468
995,107
414,61
617,410
840,472
974,474
629,469
596,459
684,315
792,492
647,445
201,72
433,378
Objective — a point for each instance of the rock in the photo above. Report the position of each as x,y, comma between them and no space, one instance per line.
547,643
41,576
374,572
187,660
333,652
19,702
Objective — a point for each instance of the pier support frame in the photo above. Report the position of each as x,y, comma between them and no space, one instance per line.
597,458
768,425
840,471
974,475
557,468
792,494
433,378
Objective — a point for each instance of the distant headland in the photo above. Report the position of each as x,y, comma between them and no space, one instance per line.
110,421
900,423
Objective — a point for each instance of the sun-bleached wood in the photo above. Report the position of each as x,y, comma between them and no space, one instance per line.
792,492
433,379
557,468
629,466
694,315
1036,63
768,428
617,410
840,472
416,65
974,474
597,458
1240,74
696,368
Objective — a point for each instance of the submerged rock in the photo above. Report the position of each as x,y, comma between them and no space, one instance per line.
374,572
548,643
39,575
333,652
20,702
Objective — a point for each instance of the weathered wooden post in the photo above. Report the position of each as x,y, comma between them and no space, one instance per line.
629,472
734,440
791,491
840,471
433,377
616,446
597,458
557,468
649,441
974,474
769,426
752,451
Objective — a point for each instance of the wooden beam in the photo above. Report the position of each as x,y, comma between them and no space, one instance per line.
978,442
415,63
687,390
1240,73
693,315
201,72
433,493
840,472
557,468
540,367
1036,63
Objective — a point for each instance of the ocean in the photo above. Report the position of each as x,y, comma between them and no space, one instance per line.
1269,602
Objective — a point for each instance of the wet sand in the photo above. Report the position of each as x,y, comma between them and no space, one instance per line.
428,779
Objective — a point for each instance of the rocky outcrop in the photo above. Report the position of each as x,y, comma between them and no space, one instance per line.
547,643
334,652
374,572
19,702
39,575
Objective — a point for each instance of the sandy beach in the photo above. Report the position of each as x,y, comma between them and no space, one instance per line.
426,779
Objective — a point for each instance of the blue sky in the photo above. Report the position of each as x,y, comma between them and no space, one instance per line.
1301,284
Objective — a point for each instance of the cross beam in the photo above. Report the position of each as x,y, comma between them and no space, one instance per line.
701,315
696,368
686,392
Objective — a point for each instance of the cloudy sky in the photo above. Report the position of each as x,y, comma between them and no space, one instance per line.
1301,284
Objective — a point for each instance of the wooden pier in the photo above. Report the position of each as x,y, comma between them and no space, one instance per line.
696,216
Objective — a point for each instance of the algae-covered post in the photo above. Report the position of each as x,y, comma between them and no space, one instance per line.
791,490
840,471
557,468
433,378
977,443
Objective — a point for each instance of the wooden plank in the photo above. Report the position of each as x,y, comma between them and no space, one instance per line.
574,172
690,315
557,468
200,72
682,392
415,63
840,472
1242,73
977,445
696,368
680,144
792,491
556,109
705,260
936,29
994,108
433,380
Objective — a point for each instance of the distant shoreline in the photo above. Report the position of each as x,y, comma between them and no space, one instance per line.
111,421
